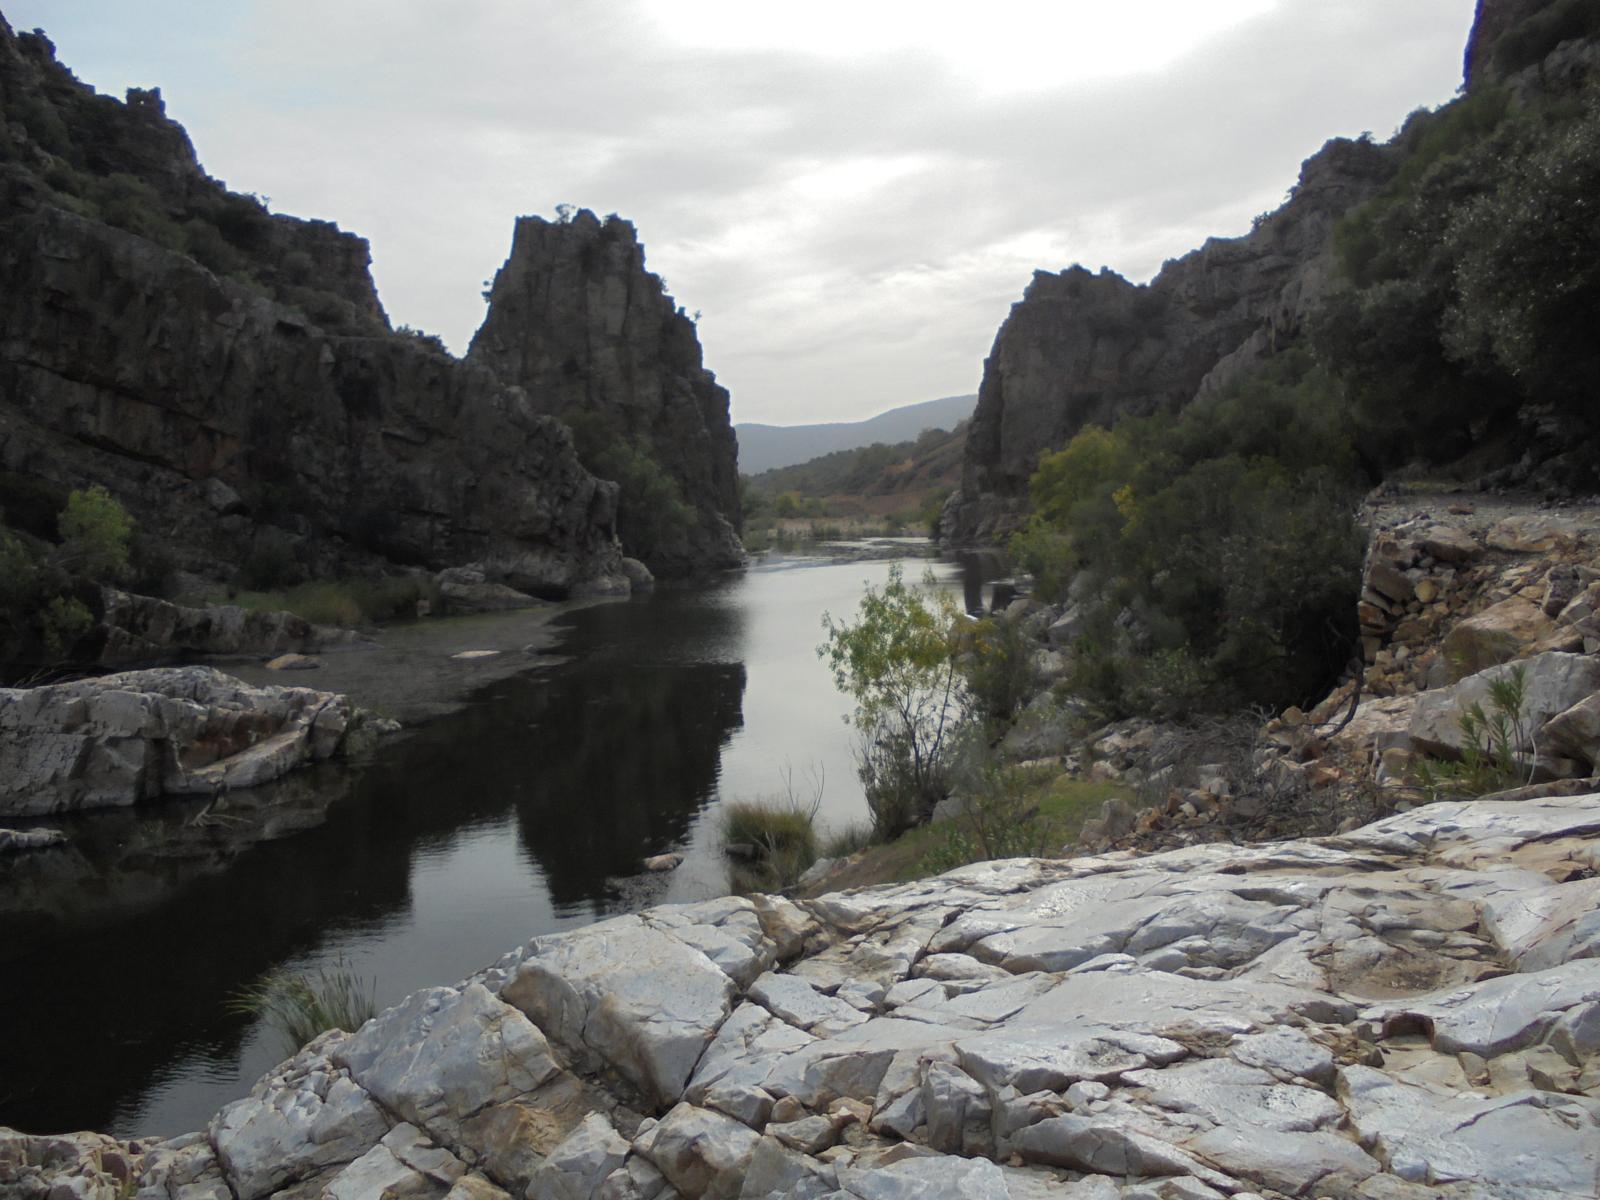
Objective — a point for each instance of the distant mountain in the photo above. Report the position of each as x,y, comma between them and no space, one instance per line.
763,447
869,481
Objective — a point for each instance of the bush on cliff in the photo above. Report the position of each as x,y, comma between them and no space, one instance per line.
652,514
1471,282
1218,549
46,591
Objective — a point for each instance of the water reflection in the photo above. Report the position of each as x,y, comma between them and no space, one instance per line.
510,818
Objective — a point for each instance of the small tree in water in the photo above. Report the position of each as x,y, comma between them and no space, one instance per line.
898,661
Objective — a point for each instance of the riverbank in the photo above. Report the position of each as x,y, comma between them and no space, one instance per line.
1384,1014
418,671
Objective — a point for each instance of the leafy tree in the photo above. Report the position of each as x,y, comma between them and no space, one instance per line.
898,662
96,533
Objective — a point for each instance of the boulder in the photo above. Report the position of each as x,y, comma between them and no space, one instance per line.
469,592
1498,634
300,1119
1553,683
1575,732
1449,544
1068,627
1535,533
14,840
119,739
639,576
628,996
293,662
702,1153
143,630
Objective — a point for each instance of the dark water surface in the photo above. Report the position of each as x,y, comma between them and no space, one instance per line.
513,817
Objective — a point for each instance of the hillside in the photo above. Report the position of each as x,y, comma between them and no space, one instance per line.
877,480
764,447
1445,283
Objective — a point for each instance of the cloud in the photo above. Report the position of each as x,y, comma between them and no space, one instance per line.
852,199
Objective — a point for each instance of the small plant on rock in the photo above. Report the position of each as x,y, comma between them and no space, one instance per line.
301,1005
1497,749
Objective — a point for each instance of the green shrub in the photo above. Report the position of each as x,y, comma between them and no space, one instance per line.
1472,289
1495,745
347,602
96,533
1221,546
898,662
65,619
652,515
996,663
1011,811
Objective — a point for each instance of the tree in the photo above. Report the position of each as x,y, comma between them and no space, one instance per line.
95,534
898,661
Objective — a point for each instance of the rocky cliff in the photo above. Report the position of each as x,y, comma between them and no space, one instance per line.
1081,348
230,375
577,321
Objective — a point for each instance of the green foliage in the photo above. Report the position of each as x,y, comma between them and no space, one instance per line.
652,515
898,662
1527,269
836,481
43,614
997,666
1011,811
1472,285
852,839
96,533
1220,546
782,837
1493,744
300,1006
64,620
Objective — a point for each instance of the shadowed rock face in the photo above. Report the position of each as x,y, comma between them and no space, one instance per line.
576,320
231,377
1081,348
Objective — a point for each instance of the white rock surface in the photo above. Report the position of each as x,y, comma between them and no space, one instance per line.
1411,1010
119,739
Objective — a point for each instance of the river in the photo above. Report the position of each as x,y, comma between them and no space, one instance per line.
528,810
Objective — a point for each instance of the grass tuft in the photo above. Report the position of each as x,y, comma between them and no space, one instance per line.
301,1005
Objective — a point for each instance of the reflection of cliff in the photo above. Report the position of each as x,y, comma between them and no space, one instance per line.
631,761
161,917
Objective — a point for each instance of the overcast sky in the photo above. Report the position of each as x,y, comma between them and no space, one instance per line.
851,192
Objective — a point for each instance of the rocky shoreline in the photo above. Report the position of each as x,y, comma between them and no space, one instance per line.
1410,1010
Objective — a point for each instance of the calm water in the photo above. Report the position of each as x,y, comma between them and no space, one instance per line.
524,813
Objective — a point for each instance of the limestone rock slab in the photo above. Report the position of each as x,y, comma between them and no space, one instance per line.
628,995
442,1055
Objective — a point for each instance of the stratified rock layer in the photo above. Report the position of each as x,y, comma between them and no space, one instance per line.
576,320
1407,1011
